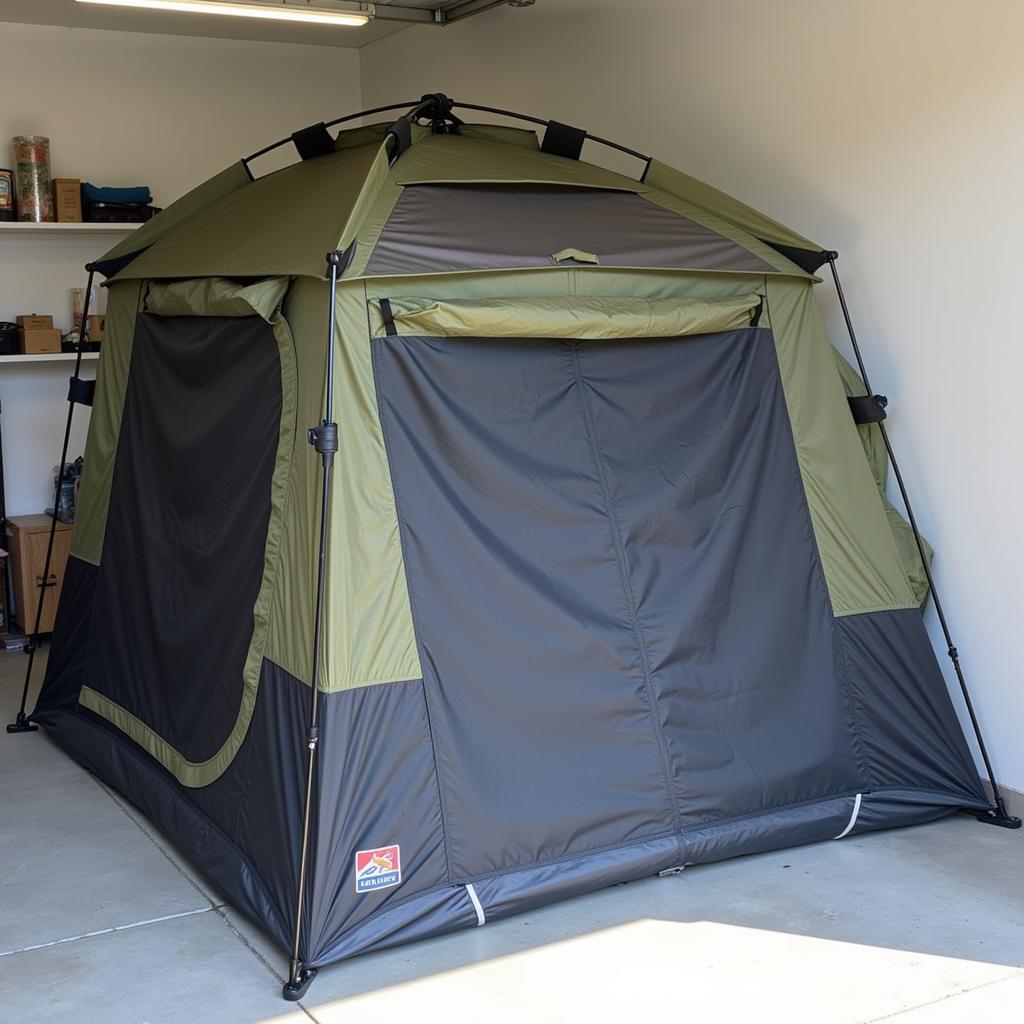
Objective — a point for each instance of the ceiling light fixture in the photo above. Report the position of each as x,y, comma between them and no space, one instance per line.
304,13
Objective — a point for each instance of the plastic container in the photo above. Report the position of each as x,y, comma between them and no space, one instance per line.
6,194
32,170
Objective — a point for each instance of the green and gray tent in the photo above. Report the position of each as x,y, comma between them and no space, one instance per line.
610,588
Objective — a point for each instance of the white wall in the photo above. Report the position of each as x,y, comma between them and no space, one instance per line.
126,109
889,131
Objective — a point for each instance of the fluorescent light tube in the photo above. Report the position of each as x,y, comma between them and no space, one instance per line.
271,12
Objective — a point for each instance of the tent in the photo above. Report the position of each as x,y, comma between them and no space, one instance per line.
585,574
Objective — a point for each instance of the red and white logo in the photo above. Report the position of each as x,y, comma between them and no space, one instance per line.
378,869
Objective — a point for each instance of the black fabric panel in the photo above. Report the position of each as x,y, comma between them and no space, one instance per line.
187,525
66,664
377,788
443,228
242,831
732,604
911,734
543,733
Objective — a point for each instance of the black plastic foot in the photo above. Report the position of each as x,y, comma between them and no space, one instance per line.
293,991
1001,818
22,724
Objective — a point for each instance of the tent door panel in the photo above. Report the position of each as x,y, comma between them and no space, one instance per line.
187,526
588,523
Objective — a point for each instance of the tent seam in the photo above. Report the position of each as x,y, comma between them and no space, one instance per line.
618,544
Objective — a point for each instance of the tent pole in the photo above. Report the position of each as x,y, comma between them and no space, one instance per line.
22,722
997,814
324,438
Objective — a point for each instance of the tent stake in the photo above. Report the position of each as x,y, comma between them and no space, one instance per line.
997,814
22,722
324,438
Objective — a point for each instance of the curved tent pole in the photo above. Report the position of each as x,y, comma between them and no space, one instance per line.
324,438
997,814
80,392
438,107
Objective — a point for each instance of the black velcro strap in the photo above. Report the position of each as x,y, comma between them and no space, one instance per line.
389,318
755,316
80,391
401,132
313,141
868,408
563,140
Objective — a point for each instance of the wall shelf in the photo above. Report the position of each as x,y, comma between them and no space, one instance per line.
49,357
10,228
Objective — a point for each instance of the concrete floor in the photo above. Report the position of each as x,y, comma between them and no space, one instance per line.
102,923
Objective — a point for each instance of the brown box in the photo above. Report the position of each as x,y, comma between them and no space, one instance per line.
35,322
97,325
67,199
40,340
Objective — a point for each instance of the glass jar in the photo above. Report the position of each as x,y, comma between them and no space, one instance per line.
32,169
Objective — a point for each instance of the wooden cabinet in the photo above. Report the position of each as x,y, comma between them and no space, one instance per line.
27,537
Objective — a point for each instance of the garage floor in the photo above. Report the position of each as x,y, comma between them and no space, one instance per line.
102,923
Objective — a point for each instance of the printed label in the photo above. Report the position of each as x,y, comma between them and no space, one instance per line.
378,869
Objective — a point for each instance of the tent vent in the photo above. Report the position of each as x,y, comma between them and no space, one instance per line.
481,917
313,141
563,140
853,818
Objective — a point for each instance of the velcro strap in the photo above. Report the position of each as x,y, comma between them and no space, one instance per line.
401,132
81,392
313,141
389,318
867,408
563,140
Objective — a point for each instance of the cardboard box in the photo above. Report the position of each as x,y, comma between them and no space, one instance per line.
97,325
35,322
67,199
39,340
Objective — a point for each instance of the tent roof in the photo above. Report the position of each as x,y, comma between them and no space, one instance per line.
285,223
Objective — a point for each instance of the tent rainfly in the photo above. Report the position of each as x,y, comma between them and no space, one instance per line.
588,574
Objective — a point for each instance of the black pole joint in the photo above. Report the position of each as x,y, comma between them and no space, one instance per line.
324,438
21,723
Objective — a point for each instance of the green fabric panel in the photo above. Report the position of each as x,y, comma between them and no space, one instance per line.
458,158
745,217
282,224
201,773
861,563
726,229
579,317
123,302
370,638
222,184
878,458
216,296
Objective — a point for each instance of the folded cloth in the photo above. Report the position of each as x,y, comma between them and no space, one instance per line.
95,194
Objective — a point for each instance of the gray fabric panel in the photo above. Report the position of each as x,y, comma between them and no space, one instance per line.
911,735
734,613
438,229
906,807
449,908
543,732
377,788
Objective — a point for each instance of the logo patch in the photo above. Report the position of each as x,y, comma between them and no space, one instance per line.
378,869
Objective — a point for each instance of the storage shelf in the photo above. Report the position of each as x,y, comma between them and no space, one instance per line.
49,357
14,227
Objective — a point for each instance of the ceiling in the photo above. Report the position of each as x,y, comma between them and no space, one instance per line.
69,14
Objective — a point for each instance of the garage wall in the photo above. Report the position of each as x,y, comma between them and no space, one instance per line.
124,108
889,131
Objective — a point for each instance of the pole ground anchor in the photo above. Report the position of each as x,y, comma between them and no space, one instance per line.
998,815
22,724
293,991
